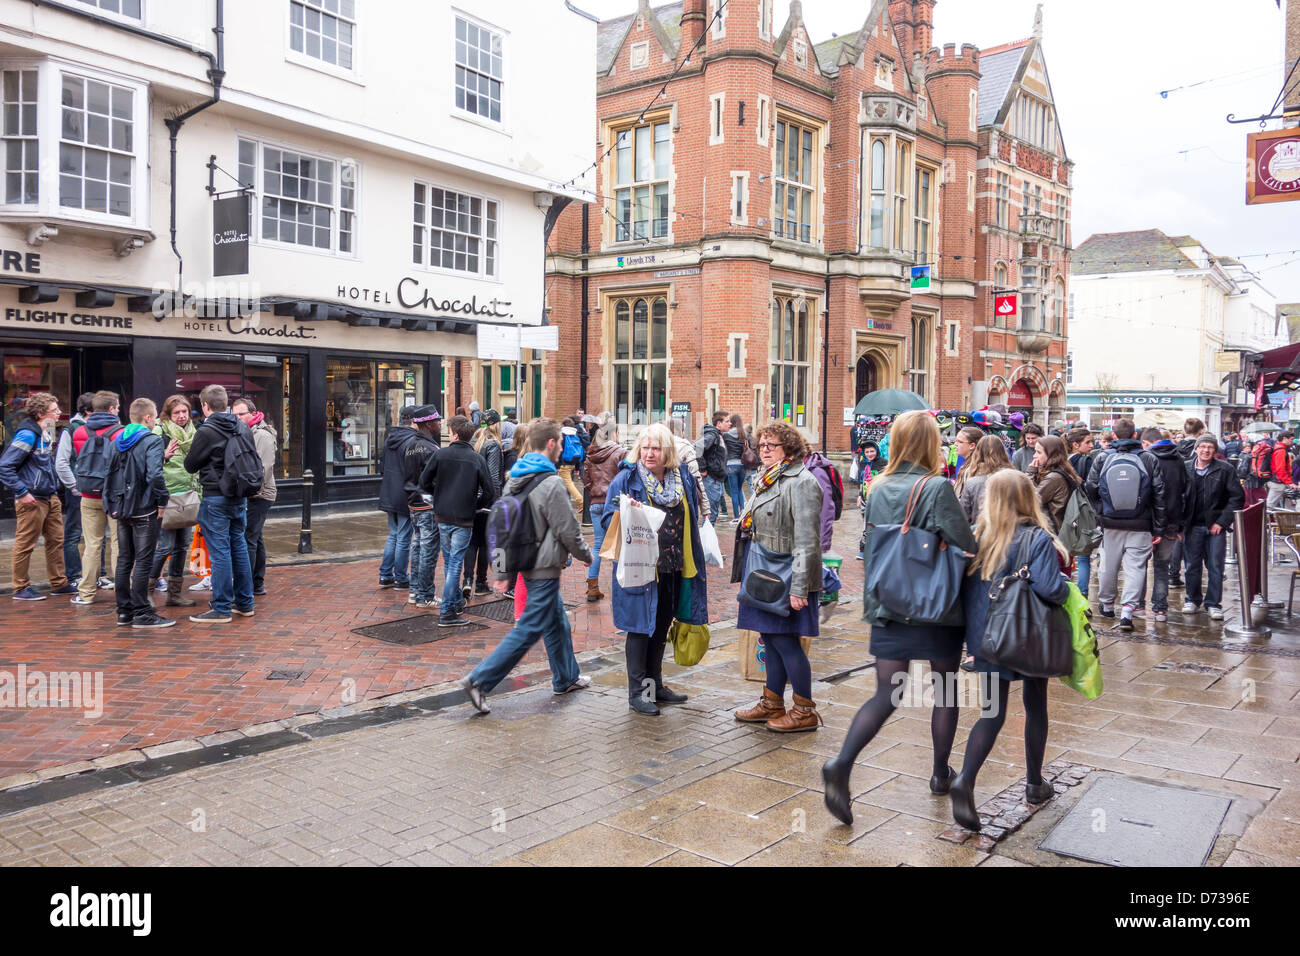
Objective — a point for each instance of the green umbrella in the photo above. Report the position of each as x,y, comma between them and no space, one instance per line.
890,401
1255,428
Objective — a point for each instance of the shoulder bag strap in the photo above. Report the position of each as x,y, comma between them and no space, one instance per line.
913,499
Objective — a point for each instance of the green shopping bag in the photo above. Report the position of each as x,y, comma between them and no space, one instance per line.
1086,677
690,642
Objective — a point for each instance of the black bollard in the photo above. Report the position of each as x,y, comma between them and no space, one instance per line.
304,535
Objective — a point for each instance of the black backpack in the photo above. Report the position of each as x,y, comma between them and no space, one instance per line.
242,475
715,458
512,532
118,485
93,462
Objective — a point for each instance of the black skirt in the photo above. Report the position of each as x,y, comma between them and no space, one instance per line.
907,642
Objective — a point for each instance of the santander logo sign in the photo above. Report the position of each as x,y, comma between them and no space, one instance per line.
1005,304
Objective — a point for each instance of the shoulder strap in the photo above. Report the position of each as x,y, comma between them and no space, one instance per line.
913,499
528,488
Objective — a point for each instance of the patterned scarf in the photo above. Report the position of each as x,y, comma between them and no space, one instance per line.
665,494
765,480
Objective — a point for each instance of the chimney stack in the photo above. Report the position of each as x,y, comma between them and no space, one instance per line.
692,26
922,24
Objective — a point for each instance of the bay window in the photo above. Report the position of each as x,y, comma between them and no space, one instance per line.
877,229
902,173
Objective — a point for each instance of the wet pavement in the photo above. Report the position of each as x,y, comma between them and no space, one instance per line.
404,773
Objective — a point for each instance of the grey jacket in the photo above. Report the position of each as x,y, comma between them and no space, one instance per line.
264,437
63,456
787,519
1022,458
936,511
557,529
971,497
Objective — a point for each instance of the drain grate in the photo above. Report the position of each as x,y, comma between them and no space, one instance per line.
420,629
1122,822
1192,667
286,675
502,611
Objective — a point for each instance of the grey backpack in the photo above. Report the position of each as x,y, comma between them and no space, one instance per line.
1080,531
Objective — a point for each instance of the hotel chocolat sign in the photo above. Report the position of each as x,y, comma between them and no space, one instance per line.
411,294
231,222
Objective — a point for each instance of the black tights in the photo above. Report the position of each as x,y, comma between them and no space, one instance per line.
889,682
985,732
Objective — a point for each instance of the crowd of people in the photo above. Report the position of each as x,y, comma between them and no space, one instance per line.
108,496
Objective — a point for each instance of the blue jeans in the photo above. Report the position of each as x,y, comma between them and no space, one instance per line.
598,532
223,521
735,480
1084,565
1161,555
455,542
397,549
714,490
424,553
1199,545
543,619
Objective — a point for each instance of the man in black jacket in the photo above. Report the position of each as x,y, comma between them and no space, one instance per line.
458,479
416,454
711,451
135,494
393,566
1126,540
222,520
1167,556
1214,493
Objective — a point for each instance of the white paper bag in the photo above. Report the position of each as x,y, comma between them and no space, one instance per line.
709,541
640,553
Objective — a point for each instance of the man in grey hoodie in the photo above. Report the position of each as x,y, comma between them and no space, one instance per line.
559,537
264,440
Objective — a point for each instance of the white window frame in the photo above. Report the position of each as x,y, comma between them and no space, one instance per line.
737,354
631,298
739,197
788,306
1002,206
315,63
719,30
764,119
49,125
717,119
260,143
765,19
467,115
614,131
902,180
785,181
116,15
974,108
952,338
426,249
923,216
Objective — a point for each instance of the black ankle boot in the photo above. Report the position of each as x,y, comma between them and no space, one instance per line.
643,706
835,778
1039,792
940,785
664,695
962,793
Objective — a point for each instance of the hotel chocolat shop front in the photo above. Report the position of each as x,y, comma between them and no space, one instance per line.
331,379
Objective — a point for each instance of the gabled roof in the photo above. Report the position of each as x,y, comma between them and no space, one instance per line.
828,52
1147,250
610,34
1000,67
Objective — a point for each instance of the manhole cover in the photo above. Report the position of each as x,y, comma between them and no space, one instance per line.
503,611
420,629
1123,822
1192,667
285,675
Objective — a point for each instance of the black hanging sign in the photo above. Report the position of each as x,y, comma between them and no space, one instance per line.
231,223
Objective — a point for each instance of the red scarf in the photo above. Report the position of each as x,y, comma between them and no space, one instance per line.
766,480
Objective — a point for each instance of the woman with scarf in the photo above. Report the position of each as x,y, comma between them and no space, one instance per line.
871,464
177,431
653,475
783,516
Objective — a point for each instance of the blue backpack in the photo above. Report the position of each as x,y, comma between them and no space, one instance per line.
1125,485
572,453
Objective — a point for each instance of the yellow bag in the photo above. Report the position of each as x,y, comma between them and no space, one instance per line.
690,642
611,546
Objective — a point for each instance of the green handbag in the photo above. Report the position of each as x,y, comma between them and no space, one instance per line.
690,642
1086,676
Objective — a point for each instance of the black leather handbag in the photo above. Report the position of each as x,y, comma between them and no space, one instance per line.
911,572
766,582
1024,633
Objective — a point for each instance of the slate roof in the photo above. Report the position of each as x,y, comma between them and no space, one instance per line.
610,34
997,72
828,51
1146,250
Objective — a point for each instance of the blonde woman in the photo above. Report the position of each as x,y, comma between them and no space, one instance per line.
1012,521
990,455
487,442
915,453
654,475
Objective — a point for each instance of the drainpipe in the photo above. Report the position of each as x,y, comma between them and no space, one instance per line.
586,310
217,75
826,358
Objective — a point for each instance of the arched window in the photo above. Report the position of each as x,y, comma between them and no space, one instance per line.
920,355
790,357
1058,306
640,360
877,237
999,285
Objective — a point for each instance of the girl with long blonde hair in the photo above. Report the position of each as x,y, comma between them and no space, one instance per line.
990,455
1013,532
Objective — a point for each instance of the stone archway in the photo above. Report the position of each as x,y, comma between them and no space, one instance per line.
868,376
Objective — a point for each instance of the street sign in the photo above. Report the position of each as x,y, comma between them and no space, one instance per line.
1227,361
230,227
681,409
1273,168
920,277
1004,306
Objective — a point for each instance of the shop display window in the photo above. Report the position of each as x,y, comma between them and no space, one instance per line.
363,401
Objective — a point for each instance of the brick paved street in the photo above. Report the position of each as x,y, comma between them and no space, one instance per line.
579,779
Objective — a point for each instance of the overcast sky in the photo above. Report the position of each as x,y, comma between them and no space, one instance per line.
1142,161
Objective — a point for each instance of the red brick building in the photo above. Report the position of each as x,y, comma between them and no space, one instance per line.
763,200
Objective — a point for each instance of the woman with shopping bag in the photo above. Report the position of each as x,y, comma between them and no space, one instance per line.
779,568
645,604
916,547
177,431
1015,539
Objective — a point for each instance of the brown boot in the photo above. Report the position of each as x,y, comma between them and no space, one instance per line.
176,597
802,716
769,707
593,590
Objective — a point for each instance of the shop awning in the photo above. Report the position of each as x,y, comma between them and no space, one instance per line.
1280,367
